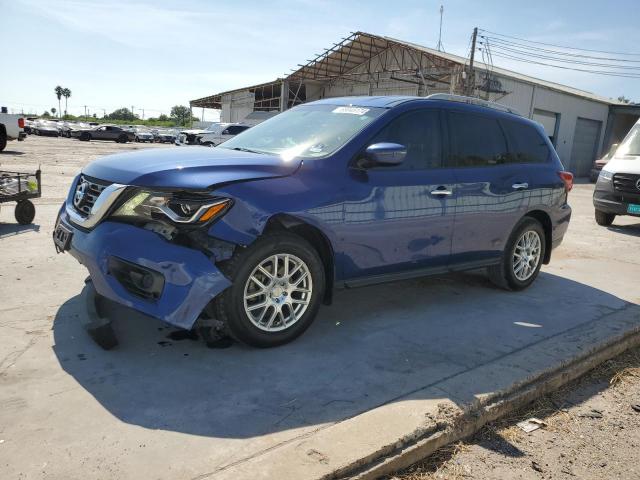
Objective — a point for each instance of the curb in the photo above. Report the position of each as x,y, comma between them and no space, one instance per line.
476,415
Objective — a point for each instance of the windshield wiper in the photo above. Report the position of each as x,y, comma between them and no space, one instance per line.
242,149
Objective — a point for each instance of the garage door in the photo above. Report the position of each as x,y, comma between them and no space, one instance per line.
585,142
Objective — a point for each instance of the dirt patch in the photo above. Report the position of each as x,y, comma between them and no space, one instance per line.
591,431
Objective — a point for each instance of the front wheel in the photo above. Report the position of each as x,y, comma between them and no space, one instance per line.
604,219
278,284
522,256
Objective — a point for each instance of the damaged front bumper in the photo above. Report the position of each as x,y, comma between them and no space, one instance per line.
139,269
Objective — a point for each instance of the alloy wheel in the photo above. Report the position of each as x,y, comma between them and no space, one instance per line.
278,292
526,255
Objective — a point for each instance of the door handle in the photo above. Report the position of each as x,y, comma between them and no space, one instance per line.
520,186
441,191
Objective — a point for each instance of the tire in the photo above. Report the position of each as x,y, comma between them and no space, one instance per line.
3,139
85,137
25,212
229,307
208,144
137,140
505,274
604,219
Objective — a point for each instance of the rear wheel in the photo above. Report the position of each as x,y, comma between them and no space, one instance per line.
522,256
85,137
278,283
122,139
604,219
25,212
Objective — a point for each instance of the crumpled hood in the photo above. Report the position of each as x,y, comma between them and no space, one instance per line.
188,167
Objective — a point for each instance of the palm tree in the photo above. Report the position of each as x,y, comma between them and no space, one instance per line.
66,93
58,91
53,110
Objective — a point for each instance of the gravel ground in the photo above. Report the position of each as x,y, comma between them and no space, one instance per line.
591,431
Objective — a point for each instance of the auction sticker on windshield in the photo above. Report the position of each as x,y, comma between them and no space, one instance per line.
351,110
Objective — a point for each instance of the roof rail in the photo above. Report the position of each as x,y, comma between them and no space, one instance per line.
472,101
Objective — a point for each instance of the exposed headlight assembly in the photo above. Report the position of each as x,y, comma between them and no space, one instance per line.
178,208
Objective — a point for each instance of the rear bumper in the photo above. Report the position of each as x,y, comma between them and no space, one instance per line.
190,279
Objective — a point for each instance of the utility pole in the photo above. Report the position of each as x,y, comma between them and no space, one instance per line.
142,110
85,112
133,115
440,47
471,79
104,113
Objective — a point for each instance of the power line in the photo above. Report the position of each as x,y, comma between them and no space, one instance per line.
597,72
499,41
503,49
561,46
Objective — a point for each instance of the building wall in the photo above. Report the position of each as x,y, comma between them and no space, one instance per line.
236,106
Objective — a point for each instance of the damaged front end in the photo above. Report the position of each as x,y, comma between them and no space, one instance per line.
149,251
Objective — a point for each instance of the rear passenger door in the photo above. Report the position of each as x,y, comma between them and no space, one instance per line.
491,187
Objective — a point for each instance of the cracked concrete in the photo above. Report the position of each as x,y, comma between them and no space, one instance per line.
375,373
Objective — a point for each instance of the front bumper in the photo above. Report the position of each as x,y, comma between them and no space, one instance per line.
191,280
609,200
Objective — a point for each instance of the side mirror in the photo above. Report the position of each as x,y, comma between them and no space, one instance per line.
388,154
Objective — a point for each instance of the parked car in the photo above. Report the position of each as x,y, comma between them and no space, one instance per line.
617,190
340,192
165,136
143,135
11,128
46,128
105,132
220,133
601,162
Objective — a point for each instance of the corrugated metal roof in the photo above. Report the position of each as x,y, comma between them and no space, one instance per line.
343,57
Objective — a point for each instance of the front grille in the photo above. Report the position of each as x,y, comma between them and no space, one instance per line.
87,192
626,182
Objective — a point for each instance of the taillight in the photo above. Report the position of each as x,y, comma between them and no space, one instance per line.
567,178
21,122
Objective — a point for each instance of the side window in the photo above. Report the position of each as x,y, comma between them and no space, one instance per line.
419,131
476,141
525,143
234,130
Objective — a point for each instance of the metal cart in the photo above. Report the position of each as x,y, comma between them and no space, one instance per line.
20,187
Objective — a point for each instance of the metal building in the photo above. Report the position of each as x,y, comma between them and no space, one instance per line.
367,64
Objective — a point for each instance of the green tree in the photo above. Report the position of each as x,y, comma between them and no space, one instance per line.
163,118
58,90
46,114
122,114
66,93
180,114
53,111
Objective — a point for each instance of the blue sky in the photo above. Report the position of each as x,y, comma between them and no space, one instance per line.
155,54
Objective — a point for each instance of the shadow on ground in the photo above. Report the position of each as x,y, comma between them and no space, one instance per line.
372,346
633,230
11,229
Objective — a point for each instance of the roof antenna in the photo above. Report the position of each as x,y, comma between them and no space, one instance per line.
440,47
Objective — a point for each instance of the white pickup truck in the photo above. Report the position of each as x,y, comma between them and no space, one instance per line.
11,128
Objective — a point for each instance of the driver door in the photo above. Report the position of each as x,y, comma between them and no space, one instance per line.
400,218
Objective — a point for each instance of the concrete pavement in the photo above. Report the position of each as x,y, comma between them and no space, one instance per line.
381,368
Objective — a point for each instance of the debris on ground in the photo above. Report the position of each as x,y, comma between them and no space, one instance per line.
530,424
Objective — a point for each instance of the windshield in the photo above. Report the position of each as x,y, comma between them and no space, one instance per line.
314,131
631,143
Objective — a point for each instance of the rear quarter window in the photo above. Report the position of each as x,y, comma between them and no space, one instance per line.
526,145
